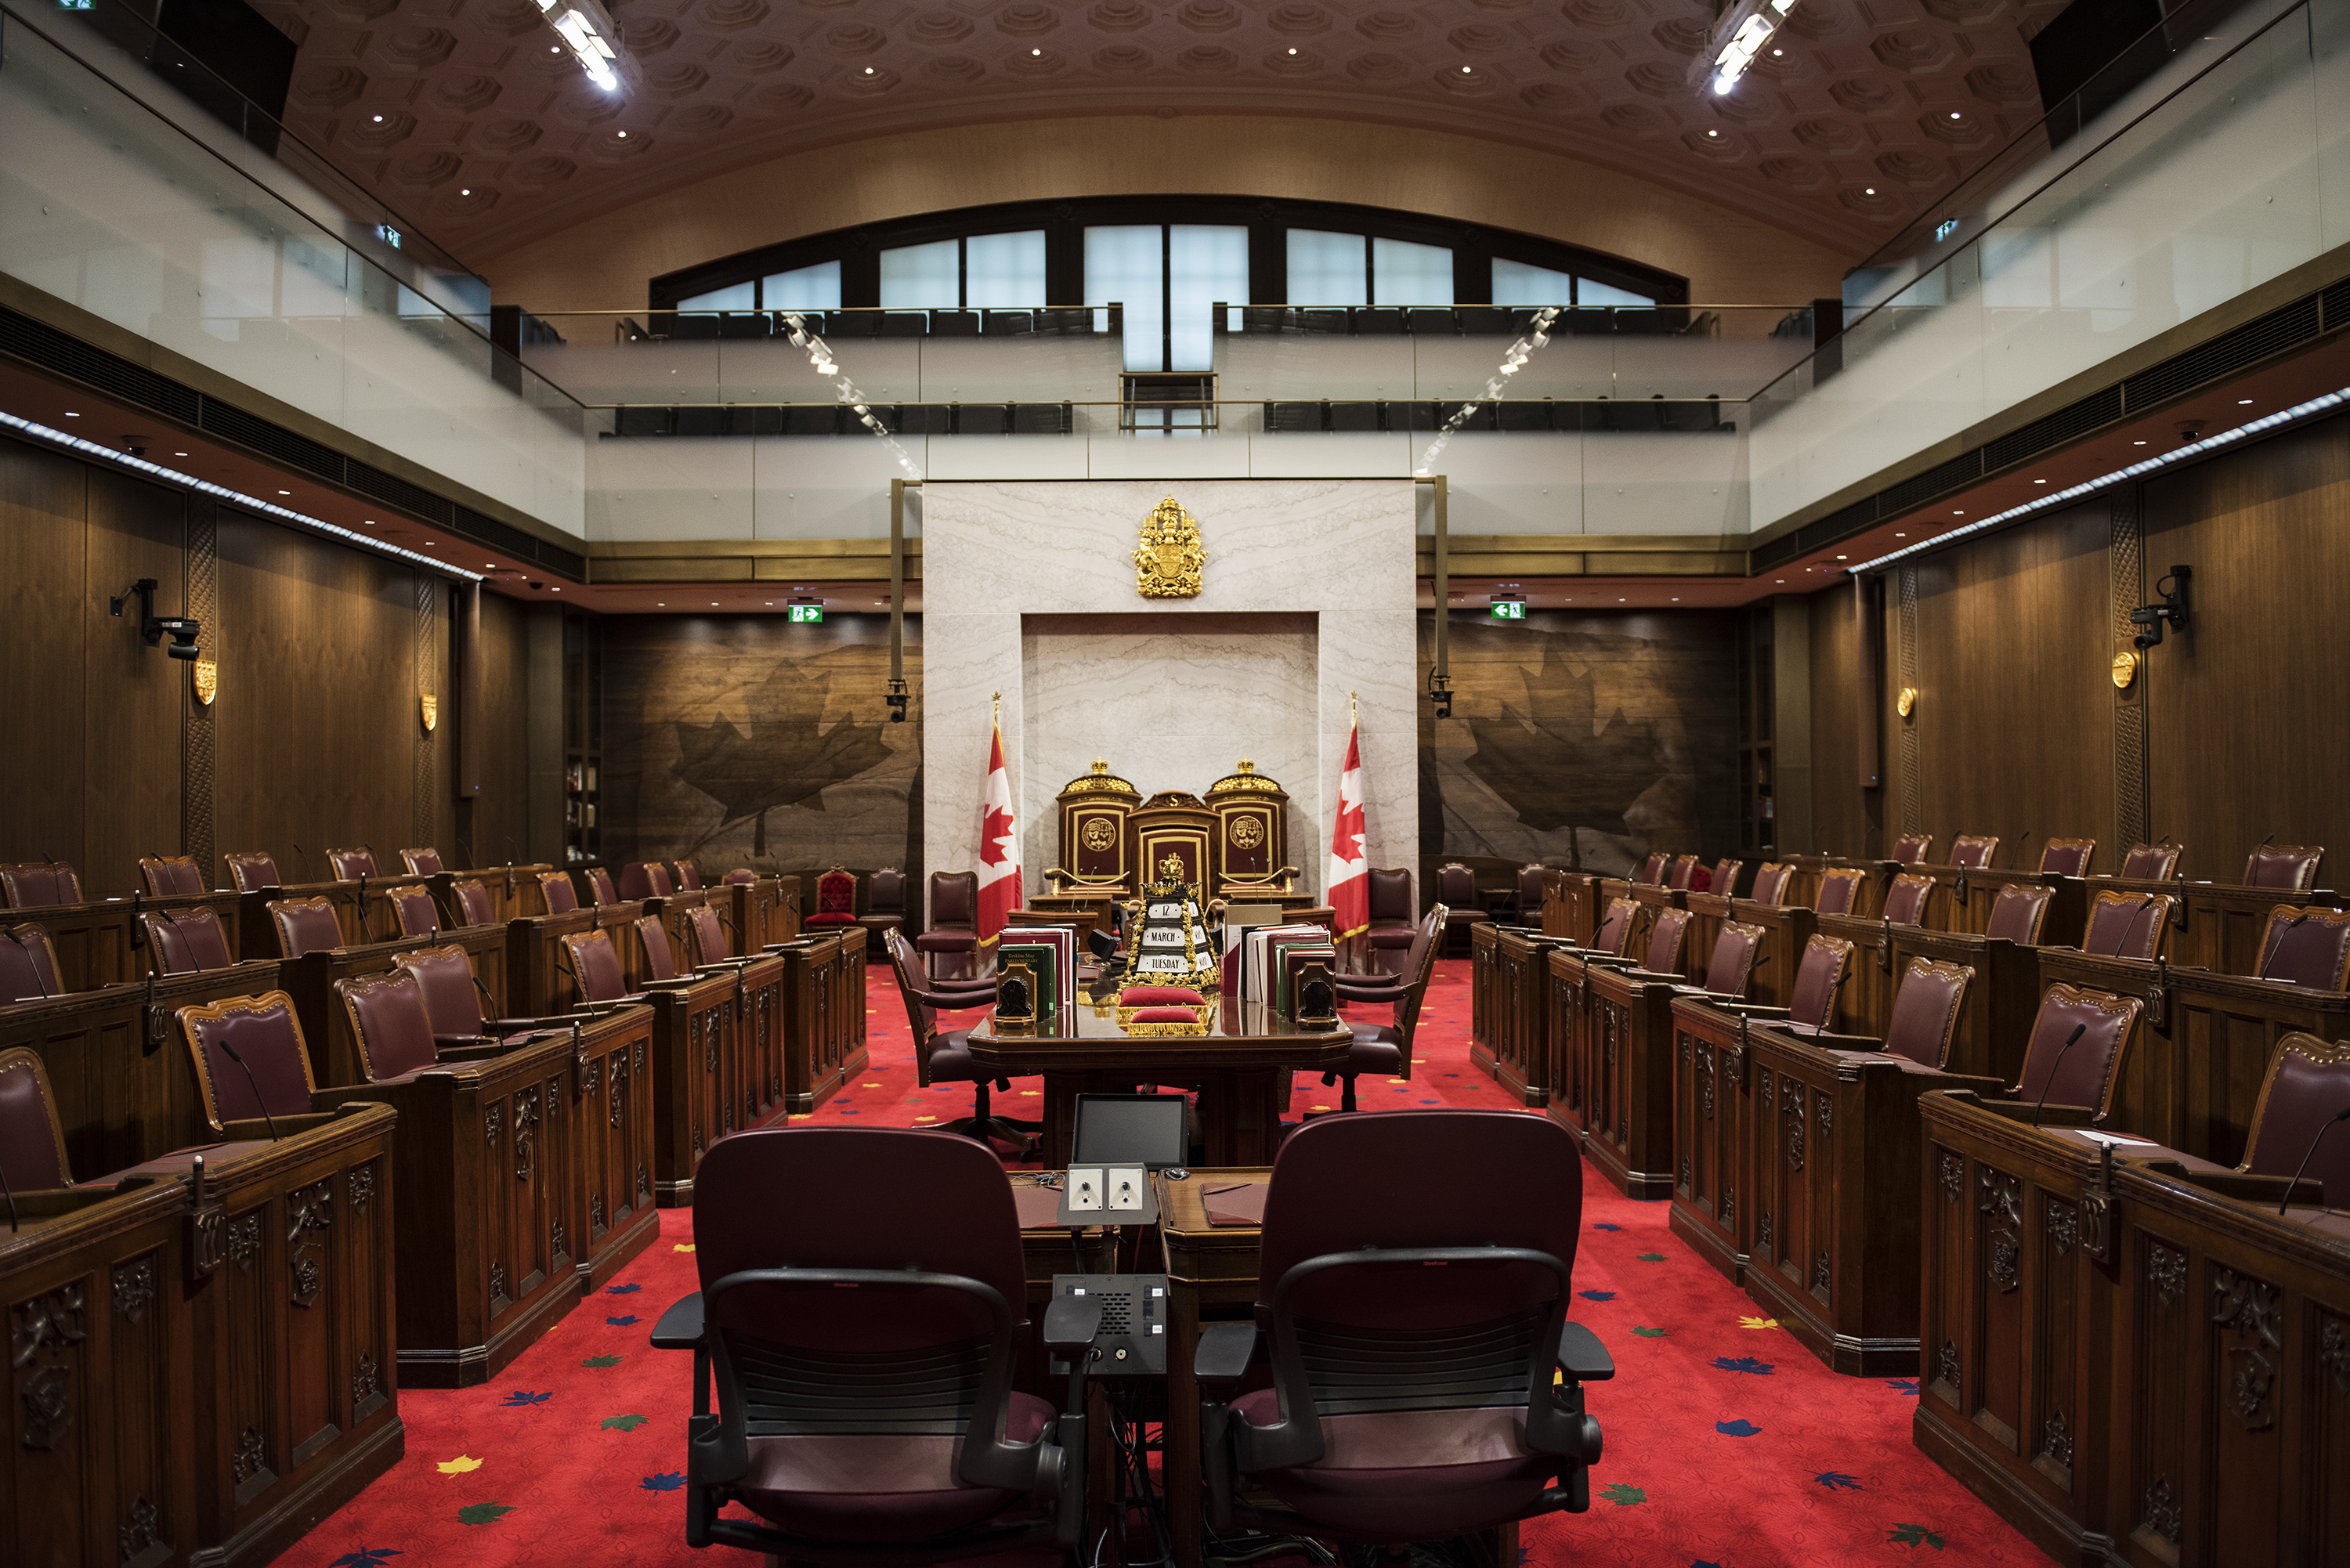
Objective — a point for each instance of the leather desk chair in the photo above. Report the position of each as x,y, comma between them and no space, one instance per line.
2292,867
562,895
652,937
417,917
39,884
1393,926
1732,964
741,873
705,935
171,876
1925,1018
688,876
454,996
2151,862
1723,878
1652,870
2127,925
1819,978
32,1138
836,900
1377,1430
1379,986
185,941
422,862
1839,890
885,906
1384,1051
955,919
393,1028
599,886
28,965
596,968
2087,1074
1665,939
1905,901
642,879
472,904
1912,847
305,926
1974,850
2067,857
249,1061
1530,893
943,1055
1684,868
2018,913
249,871
1614,933
1771,879
350,864
2307,947
876,1424
2308,1081
1456,889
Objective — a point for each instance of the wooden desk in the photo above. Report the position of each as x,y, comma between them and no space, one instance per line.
1994,1023
701,1063
1509,1009
1241,1066
1709,1124
523,1186
175,1400
1624,1043
823,1011
126,1090
326,1028
760,911
101,944
363,910
538,979
514,890
2192,1083
1570,906
2216,924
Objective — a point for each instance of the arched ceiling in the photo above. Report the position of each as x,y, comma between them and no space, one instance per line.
468,116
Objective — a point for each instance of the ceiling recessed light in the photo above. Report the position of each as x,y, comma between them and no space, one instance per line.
1714,133
432,544
378,119
1035,51
1954,114
1956,512
1464,70
183,454
1777,53
1677,598
1841,557
558,590
869,70
466,192
2243,402
1870,192
2038,482
624,135
285,492
1901,535
660,604
71,415
2133,444
1292,51
368,521
491,565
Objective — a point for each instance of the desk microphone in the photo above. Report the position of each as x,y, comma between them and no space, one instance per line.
12,1197
1827,1014
577,983
252,1083
2049,1082
30,964
2311,1153
2121,948
305,861
2020,843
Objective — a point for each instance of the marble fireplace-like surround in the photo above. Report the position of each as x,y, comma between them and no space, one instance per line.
1028,588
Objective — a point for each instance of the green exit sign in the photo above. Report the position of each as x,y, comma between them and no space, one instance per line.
811,613
1509,609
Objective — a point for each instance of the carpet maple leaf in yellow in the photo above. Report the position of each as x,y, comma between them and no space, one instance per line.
1758,1322
683,1247
460,1465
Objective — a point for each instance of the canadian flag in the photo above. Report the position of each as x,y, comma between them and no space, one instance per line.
999,848
1349,883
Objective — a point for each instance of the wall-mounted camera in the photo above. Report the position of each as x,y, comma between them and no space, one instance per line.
2172,611
152,626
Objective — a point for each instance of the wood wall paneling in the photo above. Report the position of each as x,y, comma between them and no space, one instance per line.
43,501
130,768
1839,815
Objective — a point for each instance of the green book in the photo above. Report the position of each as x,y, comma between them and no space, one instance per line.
1043,961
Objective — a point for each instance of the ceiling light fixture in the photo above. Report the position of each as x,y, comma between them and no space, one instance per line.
584,26
1743,31
378,119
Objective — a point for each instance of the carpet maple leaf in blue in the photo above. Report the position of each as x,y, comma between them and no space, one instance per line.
1742,1363
522,1397
622,1290
1741,1428
1836,1481
668,1480
1596,1295
366,1557
1903,1385
1603,1225
624,1321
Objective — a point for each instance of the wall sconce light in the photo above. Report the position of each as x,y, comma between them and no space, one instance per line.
897,699
152,626
1440,691
2174,609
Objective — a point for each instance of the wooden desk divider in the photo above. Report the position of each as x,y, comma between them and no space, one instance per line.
823,1015
99,943
720,1050
326,1028
203,1384
2215,925
525,1182
514,890
1509,1007
1785,928
760,911
1623,1042
1570,906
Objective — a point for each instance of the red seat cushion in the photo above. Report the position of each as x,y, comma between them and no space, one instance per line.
1159,996
824,918
1166,1015
941,942
1408,1474
879,1487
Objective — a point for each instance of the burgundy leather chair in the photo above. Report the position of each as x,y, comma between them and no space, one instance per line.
2307,947
2018,913
652,937
1614,933
1530,893
1384,1050
2308,1082
171,876
705,933
2127,925
185,941
422,862
955,919
1684,868
39,884
1375,1430
454,996
249,1061
885,908
836,898
1732,962
472,905
28,965
390,1024
1826,961
418,917
305,926
597,969
741,874
1456,889
877,1423
32,1139
1910,849
1652,870
943,1055
1771,879
2151,862
350,864
2067,857
562,895
1381,986
2087,1073
1974,850
1905,901
1393,926
689,877
1665,939
1925,1018
599,886
1723,878
250,871
1839,891
642,879
2292,867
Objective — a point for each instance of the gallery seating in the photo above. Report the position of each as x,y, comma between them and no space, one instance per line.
2306,1086
1839,891
2067,857
1723,878
1651,873
171,876
1905,901
2127,925
1771,881
2151,862
599,886
39,884
249,871
1393,923
28,964
415,907
943,1055
2018,914
688,876
472,904
2292,867
561,894
1684,867
953,929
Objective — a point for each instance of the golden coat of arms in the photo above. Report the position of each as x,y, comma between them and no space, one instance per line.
1168,561
207,676
432,708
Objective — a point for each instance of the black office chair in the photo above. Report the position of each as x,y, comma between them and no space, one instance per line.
1408,1402
862,1351
1384,1050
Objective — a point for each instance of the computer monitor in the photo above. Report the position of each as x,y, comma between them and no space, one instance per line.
1129,1130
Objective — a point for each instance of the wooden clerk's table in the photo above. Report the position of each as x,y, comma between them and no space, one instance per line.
1241,1064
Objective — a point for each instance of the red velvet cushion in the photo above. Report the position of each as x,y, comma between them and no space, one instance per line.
829,918
1158,996
1166,1015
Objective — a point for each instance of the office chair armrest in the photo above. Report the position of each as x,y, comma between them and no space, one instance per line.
1224,1353
679,1328
1071,1322
1581,1356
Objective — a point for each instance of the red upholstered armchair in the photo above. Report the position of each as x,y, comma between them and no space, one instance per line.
250,1064
350,864
2307,947
1456,889
305,926
185,941
1912,847
2127,925
836,898
2086,1074
2292,867
28,965
2308,1082
171,876
1974,850
1393,925
249,871
2067,857
38,885
954,919
2151,862
422,862
556,888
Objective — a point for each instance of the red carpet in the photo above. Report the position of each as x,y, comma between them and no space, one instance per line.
1727,1444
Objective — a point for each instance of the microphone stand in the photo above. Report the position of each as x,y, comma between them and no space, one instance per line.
12,1197
2146,902
305,861
254,1084
2049,1082
2309,1154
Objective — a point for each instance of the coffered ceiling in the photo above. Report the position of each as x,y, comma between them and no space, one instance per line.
470,118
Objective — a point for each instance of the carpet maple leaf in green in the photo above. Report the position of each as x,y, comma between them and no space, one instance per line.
622,1423
1644,1332
1652,1257
1914,1535
1624,1496
482,1512
601,1361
